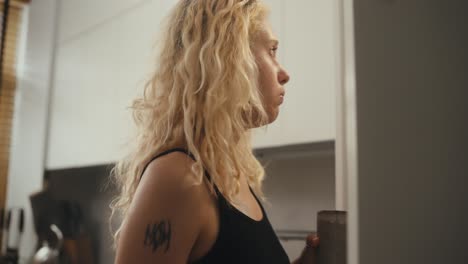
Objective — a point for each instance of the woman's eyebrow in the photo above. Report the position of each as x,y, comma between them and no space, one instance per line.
275,42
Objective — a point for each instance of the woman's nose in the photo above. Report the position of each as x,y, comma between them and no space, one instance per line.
283,76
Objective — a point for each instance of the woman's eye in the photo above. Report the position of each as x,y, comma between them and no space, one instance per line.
273,51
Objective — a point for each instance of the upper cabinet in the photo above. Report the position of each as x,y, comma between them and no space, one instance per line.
309,50
102,58
77,17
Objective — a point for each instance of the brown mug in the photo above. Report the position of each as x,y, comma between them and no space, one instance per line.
331,229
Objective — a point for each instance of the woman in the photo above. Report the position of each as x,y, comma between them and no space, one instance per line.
189,188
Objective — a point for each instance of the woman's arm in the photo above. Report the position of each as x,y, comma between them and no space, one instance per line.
163,221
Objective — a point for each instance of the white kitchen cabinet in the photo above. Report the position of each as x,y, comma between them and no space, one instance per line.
97,73
309,49
77,17
272,135
103,54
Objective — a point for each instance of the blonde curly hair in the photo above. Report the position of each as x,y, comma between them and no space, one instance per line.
204,94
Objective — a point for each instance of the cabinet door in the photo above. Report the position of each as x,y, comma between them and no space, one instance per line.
308,33
272,135
97,74
311,49
77,17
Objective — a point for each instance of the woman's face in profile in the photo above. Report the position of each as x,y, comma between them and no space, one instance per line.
273,76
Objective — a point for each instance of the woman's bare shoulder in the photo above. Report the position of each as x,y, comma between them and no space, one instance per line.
171,171
164,219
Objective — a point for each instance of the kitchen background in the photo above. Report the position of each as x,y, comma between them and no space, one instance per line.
86,60
377,87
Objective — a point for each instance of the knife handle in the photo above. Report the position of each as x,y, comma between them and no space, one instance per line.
8,220
21,220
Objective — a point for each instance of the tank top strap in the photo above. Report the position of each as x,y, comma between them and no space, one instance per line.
186,151
165,153
208,176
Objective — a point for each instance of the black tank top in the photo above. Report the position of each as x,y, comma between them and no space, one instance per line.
241,239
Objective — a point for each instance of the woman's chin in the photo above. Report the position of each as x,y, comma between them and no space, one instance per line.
272,116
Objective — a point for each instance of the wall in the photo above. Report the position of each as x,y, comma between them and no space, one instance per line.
297,189
31,114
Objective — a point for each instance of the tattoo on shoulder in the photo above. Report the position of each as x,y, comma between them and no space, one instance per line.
158,235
